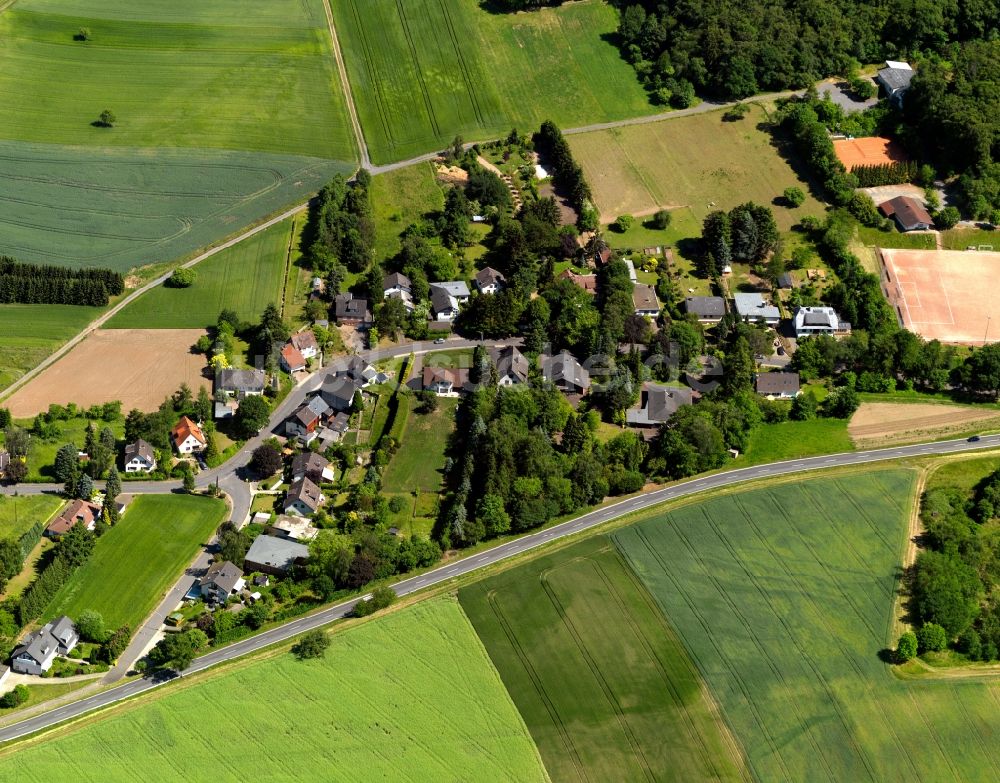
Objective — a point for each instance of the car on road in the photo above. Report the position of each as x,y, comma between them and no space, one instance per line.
974,439
439,341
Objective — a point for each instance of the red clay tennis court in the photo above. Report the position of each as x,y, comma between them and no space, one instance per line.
867,151
944,295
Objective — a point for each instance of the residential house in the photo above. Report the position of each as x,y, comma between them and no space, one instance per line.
240,383
314,467
444,305
292,359
777,385
38,650
350,310
602,254
221,581
644,300
895,79
339,391
307,417
909,214
187,437
303,498
275,556
512,365
657,404
455,288
334,431
293,528
305,343
139,457
445,381
819,320
81,512
398,286
358,369
566,373
753,308
587,282
707,309
489,280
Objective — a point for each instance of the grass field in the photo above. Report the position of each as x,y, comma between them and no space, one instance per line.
245,277
32,332
400,198
423,71
42,453
18,514
136,561
636,709
782,597
794,439
411,696
418,462
698,161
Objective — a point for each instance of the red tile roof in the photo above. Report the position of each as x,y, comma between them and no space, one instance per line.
184,428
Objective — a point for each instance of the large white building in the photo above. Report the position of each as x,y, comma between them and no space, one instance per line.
819,320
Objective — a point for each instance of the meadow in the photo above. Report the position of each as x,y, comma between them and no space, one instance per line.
410,696
636,709
18,514
126,209
423,71
783,597
795,439
245,277
32,332
402,197
699,161
136,561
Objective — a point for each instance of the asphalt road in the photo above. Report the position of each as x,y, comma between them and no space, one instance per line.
496,554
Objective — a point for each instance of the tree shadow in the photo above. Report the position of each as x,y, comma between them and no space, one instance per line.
786,151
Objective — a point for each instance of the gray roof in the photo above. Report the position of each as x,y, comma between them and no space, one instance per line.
777,383
141,449
234,380
895,79
224,576
753,306
456,288
644,297
396,280
347,306
62,629
305,492
338,391
659,403
309,464
441,300
279,553
705,306
42,642
565,369
510,361
488,276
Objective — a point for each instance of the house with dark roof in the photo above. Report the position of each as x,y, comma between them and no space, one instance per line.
819,320
275,556
445,381
895,79
489,280
38,650
566,373
303,498
512,365
398,286
777,385
657,404
707,309
315,467
221,581
444,305
307,417
350,310
339,391
240,383
305,343
140,457
644,300
77,512
909,214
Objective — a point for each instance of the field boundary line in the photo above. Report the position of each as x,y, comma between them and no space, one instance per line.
345,85
288,265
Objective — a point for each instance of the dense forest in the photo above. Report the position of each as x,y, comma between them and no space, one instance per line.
23,283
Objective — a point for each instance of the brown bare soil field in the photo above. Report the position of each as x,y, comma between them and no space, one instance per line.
137,366
883,423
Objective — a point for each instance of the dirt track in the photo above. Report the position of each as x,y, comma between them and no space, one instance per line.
137,366
887,422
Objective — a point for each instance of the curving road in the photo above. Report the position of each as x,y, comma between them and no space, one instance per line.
495,555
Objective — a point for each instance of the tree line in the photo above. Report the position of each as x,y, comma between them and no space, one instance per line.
895,173
568,174
24,283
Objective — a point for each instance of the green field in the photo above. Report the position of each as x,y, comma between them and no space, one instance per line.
42,453
411,696
418,462
32,332
135,562
604,685
783,598
698,161
402,197
423,71
18,514
245,277
795,439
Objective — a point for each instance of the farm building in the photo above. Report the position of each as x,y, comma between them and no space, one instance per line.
909,214
707,309
139,457
275,556
895,79
777,385
752,307
656,405
819,320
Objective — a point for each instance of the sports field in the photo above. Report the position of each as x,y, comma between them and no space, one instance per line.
245,277
782,597
411,696
943,294
138,367
604,685
32,332
136,561
18,514
698,161
868,151
423,71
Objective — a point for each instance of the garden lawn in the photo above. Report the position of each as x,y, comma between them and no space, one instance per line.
402,197
137,560
423,71
32,332
418,463
783,598
409,696
42,453
795,439
19,513
698,161
245,277
604,685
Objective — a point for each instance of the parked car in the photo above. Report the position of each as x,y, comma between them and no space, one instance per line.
439,341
